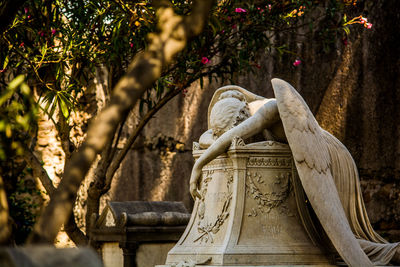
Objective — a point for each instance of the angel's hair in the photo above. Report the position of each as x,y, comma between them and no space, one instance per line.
232,93
230,110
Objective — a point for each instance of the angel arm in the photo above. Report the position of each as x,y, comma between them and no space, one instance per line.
265,117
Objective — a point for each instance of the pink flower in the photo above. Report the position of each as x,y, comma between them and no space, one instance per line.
41,33
240,10
297,62
368,25
269,7
26,10
131,45
53,31
363,20
29,16
204,60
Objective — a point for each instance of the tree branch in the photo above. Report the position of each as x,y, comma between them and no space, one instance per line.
64,130
143,122
121,155
96,187
39,171
73,231
145,69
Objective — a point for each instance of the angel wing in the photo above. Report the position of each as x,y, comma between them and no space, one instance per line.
313,163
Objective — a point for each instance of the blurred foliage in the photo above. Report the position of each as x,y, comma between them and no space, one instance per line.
58,44
49,54
17,117
24,202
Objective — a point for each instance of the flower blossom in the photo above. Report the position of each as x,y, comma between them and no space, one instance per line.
240,10
297,62
360,20
363,20
204,60
53,31
26,10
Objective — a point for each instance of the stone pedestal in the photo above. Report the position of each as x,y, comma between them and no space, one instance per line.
137,233
248,214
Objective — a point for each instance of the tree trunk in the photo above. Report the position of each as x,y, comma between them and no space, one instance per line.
141,74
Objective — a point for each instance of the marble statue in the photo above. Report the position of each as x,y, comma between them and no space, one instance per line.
326,169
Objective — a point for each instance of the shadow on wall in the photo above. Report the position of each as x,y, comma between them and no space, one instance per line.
352,90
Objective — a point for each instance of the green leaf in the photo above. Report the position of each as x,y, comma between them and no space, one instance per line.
16,82
5,62
64,108
53,108
8,130
5,97
44,49
25,89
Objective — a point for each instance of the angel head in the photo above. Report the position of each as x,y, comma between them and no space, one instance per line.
230,110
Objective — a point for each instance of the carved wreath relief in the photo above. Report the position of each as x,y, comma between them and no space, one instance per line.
206,229
268,200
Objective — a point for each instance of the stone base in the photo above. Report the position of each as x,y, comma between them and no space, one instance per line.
318,265
48,256
248,213
321,265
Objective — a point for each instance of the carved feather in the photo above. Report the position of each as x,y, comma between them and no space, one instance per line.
313,163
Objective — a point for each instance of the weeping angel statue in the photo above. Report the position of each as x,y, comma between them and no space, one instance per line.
326,169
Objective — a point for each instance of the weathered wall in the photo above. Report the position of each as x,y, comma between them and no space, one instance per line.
352,90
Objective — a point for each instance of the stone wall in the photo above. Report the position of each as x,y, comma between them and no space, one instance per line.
353,91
